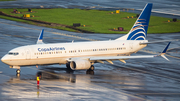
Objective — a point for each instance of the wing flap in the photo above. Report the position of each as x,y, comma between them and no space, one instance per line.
122,61
110,61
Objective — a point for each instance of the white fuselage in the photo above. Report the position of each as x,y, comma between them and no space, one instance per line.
58,53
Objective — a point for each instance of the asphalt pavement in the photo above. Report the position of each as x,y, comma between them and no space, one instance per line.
138,80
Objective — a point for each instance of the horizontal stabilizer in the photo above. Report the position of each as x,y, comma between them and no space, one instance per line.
158,41
165,57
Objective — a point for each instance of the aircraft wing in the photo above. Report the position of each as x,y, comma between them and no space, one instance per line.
121,58
109,59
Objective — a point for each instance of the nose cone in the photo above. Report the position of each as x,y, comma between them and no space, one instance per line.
4,59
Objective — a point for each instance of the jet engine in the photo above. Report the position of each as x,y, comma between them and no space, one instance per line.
80,64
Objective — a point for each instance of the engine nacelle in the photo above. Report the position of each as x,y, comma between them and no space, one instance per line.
80,65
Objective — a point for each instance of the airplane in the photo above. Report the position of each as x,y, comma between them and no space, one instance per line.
83,55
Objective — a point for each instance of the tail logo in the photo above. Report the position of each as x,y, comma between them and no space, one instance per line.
138,31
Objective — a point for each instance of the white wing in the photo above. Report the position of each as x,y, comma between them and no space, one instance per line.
121,58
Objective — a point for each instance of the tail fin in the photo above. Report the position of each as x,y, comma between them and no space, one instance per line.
40,39
139,29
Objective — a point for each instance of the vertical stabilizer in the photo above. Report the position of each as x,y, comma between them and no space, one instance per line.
40,38
139,29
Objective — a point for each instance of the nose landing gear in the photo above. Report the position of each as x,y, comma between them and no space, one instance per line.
18,71
16,67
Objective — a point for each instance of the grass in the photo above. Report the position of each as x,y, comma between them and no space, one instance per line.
94,20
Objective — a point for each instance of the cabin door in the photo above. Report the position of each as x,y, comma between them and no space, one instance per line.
28,54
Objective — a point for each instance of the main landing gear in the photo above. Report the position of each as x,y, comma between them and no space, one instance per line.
90,70
68,69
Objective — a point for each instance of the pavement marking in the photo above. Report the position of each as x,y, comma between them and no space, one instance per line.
74,36
67,35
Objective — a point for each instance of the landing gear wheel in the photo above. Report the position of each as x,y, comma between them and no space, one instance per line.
18,71
91,68
68,69
68,65
91,72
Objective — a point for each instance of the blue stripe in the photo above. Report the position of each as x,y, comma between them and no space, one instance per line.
137,35
134,32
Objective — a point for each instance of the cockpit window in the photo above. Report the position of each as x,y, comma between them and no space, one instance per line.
11,53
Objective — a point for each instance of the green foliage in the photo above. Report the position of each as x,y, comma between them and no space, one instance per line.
96,21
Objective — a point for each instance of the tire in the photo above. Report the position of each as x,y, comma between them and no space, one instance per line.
91,72
18,71
68,70
91,68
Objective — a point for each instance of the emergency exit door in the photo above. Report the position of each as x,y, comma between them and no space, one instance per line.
28,54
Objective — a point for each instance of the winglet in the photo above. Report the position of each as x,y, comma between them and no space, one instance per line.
40,39
164,52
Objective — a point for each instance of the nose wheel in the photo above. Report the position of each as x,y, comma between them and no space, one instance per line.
18,71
